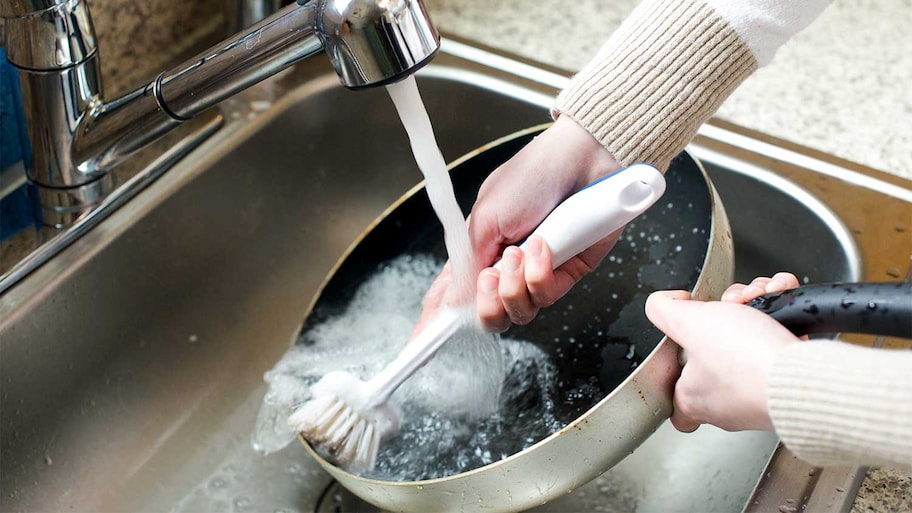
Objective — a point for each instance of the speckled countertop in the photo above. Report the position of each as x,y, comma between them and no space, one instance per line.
842,86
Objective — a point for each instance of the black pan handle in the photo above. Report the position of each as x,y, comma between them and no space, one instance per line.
875,308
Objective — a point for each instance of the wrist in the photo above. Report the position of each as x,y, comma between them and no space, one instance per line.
588,155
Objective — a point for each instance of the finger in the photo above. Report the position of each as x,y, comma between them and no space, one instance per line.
740,293
782,281
433,298
751,292
682,422
585,262
491,312
513,289
539,272
687,322
755,289
734,293
760,281
660,307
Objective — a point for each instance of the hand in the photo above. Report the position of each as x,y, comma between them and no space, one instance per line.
512,201
730,351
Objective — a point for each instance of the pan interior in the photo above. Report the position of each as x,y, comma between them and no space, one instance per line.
557,367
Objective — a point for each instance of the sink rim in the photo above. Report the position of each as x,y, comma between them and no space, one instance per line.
824,213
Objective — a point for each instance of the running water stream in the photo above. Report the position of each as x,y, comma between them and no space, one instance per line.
472,353
439,188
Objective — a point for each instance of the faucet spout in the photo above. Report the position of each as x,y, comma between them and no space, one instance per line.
375,42
77,137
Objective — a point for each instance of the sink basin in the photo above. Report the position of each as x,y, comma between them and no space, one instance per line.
132,362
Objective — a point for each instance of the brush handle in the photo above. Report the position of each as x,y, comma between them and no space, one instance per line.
599,209
586,217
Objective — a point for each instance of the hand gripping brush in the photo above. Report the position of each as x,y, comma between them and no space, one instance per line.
346,418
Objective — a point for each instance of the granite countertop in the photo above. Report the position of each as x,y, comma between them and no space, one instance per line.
841,86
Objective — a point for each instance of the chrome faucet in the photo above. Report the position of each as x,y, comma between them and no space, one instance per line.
77,137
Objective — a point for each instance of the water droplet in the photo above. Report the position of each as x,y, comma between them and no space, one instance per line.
241,503
218,483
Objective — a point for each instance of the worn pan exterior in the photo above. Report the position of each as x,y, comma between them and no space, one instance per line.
586,447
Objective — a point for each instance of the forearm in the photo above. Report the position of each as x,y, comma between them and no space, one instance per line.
835,404
670,66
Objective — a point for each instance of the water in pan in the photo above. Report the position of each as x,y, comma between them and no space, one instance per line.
439,435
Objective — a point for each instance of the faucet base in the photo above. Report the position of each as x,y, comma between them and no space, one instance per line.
61,207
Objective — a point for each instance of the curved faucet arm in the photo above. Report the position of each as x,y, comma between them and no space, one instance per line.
112,131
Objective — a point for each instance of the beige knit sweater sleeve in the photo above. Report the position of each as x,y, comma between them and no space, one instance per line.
835,404
664,72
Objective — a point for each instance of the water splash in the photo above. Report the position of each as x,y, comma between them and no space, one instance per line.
441,433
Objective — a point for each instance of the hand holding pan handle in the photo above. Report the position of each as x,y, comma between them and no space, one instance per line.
875,308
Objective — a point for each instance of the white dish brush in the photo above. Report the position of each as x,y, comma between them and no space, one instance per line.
346,418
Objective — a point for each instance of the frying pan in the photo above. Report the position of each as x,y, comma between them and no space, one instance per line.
682,242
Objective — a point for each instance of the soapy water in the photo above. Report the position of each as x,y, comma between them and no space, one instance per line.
443,431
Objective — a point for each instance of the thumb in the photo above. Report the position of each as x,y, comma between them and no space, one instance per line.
672,312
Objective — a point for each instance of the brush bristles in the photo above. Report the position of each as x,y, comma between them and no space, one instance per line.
336,430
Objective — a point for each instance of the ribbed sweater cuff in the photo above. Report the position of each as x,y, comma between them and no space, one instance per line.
834,404
662,73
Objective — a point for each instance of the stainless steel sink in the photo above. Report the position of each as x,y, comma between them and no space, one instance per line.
132,361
